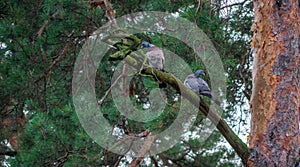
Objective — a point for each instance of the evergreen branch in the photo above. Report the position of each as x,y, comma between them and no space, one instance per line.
58,59
43,28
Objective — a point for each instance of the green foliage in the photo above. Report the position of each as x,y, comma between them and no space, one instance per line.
39,43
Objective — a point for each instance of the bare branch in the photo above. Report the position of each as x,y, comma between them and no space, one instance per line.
199,6
154,161
108,91
234,4
118,161
143,151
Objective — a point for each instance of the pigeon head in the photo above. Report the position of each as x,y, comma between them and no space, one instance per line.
146,44
198,73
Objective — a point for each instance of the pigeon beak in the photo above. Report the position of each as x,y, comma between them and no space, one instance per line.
203,74
142,46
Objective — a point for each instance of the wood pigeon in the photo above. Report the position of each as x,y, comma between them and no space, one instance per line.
155,56
197,84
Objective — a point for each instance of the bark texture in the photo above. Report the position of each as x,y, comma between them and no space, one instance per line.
275,98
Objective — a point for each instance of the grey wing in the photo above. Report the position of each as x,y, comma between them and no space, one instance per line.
203,87
192,83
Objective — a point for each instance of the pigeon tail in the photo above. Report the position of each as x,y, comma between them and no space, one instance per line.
206,93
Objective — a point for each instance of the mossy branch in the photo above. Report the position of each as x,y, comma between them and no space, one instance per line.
238,145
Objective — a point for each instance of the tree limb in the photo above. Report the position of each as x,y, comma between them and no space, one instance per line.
237,144
241,148
149,139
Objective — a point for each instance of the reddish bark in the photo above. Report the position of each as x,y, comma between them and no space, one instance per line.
106,6
11,127
274,103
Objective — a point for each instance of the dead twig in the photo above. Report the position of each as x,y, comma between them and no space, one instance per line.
109,90
149,139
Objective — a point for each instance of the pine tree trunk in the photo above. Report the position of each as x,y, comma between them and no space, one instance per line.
274,102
